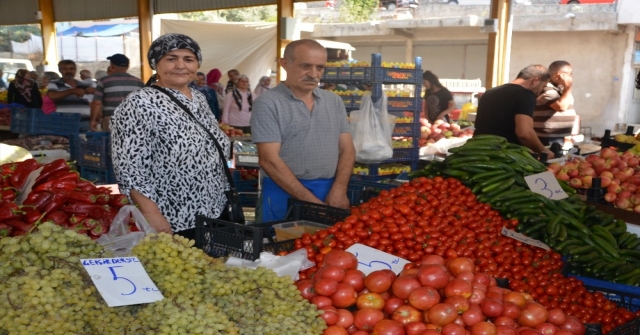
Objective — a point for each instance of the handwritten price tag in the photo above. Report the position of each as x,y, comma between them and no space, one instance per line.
122,281
370,259
524,239
546,184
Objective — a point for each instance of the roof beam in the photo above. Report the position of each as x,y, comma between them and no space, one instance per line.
404,33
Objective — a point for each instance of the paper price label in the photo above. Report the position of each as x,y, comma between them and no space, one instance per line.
370,259
122,281
524,239
545,184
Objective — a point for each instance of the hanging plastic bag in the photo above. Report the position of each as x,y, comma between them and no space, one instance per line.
371,128
120,239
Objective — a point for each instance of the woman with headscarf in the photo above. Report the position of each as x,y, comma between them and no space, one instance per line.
165,161
24,91
213,81
200,84
263,86
237,105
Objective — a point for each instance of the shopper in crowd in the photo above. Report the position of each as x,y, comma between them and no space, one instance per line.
303,136
3,85
554,117
233,76
507,110
68,93
238,104
263,85
112,90
200,84
438,99
164,159
213,81
24,91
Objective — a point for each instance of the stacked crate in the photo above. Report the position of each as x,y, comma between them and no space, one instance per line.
92,152
406,109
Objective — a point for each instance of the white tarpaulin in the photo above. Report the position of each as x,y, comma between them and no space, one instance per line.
31,46
248,47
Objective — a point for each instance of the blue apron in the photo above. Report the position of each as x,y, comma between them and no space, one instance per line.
274,198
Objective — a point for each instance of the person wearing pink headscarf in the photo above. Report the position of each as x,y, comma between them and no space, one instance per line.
213,81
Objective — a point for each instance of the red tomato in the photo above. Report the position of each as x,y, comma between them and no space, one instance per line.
441,314
321,301
532,315
453,329
392,304
330,272
379,281
306,289
574,326
461,304
458,287
547,329
366,318
492,308
484,328
342,259
406,314
370,300
355,278
433,275
335,330
511,310
472,316
330,315
325,287
415,328
344,296
404,285
345,318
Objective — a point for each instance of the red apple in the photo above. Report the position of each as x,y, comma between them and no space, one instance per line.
562,175
613,162
633,162
636,209
624,194
628,171
554,167
598,161
584,165
605,182
587,181
635,179
575,182
608,153
635,199
601,169
591,158
614,188
622,203
573,173
588,172
621,176
610,197
607,174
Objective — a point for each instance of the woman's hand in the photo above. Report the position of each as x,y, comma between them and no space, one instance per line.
151,212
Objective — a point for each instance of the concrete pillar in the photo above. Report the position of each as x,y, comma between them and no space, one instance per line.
49,40
284,10
145,17
409,51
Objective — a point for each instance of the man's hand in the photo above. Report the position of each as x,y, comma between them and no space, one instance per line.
565,80
90,90
337,199
94,124
550,154
78,91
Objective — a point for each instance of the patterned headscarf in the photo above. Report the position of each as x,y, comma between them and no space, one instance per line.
169,42
213,76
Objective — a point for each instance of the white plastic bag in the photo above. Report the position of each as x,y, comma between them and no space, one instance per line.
371,128
120,239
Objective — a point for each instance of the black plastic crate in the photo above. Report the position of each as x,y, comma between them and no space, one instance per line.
361,191
98,176
302,210
631,328
330,73
220,238
626,296
344,73
94,149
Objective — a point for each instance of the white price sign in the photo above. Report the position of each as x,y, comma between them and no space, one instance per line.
122,281
545,184
524,239
370,259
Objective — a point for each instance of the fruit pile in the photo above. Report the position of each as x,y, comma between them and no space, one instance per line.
46,290
432,133
348,64
619,175
5,115
437,297
402,142
58,195
597,244
383,170
441,216
230,131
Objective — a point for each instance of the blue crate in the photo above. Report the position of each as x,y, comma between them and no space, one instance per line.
396,75
360,191
95,151
330,73
98,176
361,73
407,129
244,185
404,104
348,101
626,296
76,139
33,121
405,155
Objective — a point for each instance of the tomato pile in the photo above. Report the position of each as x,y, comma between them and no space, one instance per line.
58,195
442,217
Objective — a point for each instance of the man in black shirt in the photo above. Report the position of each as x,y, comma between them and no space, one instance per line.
507,110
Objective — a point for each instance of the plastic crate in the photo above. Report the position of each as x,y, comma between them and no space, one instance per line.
394,75
98,176
244,185
361,191
405,155
348,101
406,129
95,151
302,210
631,328
76,139
404,104
34,122
220,238
344,73
330,73
361,73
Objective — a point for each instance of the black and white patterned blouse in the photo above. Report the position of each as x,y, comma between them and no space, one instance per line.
159,151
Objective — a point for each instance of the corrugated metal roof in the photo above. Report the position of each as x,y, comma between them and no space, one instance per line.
177,6
79,10
18,12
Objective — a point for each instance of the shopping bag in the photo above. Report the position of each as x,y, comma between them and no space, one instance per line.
371,129
120,239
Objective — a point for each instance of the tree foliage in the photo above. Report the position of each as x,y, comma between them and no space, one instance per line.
16,34
358,10
248,14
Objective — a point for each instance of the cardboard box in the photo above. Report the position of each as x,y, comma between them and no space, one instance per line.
295,229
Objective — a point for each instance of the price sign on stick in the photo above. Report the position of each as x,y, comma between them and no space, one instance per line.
524,239
546,184
122,281
370,259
